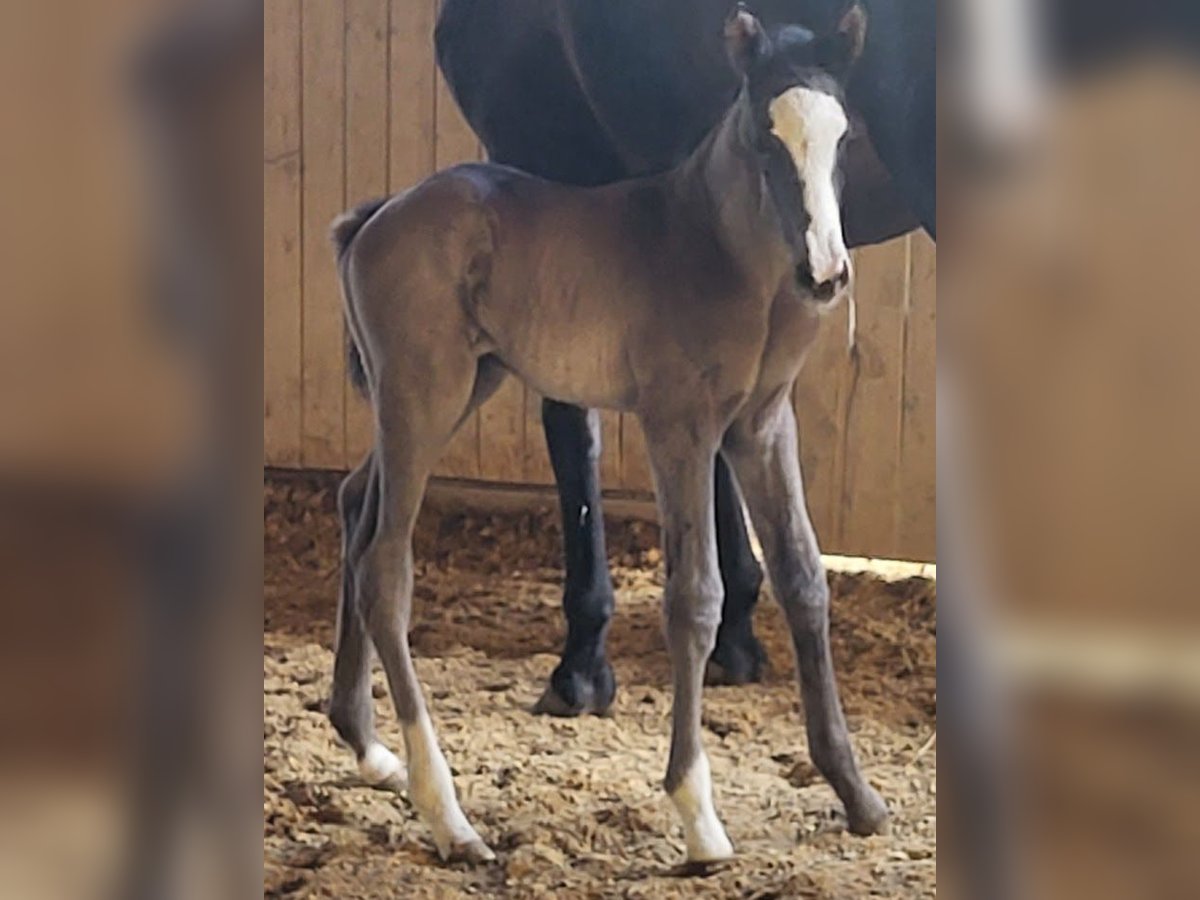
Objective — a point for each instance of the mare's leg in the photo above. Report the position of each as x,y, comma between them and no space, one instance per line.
421,403
583,681
683,476
738,657
351,709
762,450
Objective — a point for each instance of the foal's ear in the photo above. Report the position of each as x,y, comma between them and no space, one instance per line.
839,51
745,40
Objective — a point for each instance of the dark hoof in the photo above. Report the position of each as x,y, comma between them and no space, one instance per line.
741,661
577,694
473,853
691,869
869,816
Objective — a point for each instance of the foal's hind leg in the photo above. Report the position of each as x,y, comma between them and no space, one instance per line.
419,411
351,710
763,452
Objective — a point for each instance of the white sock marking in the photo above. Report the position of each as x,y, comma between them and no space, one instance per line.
702,830
380,767
431,790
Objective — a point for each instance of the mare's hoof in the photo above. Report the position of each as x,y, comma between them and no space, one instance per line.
578,694
551,704
736,662
870,816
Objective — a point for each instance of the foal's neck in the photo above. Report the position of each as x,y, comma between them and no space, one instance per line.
723,177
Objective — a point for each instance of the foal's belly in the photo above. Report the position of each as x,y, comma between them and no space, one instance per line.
566,350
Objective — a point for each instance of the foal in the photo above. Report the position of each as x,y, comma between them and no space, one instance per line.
689,299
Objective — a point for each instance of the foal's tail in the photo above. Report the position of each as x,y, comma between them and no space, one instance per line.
348,224
342,233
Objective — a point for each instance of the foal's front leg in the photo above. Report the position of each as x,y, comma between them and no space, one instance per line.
683,476
762,449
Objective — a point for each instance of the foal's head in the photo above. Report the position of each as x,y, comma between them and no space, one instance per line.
792,80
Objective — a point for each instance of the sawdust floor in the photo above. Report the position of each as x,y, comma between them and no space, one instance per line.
573,808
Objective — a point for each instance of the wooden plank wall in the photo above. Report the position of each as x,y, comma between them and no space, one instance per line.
355,107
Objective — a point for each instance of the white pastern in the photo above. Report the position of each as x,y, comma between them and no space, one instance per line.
431,790
380,767
702,830
811,123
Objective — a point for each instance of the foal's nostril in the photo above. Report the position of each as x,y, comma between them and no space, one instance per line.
843,277
827,290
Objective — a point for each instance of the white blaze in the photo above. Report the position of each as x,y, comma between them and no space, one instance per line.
810,124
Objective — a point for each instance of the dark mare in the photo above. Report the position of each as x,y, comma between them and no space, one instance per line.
617,296
587,93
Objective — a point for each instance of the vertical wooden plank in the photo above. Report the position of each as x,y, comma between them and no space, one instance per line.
819,401
502,434
636,474
366,137
872,431
323,99
411,66
916,525
536,464
456,143
281,234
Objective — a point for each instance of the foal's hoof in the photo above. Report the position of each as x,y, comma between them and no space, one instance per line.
869,816
381,768
736,662
576,693
715,849
473,851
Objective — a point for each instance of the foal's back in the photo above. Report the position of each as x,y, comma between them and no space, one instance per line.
580,291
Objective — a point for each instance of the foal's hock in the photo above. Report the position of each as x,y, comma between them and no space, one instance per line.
688,299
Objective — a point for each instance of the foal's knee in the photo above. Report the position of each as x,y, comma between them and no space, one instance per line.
692,610
804,595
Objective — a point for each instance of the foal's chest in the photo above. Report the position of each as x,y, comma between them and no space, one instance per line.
791,329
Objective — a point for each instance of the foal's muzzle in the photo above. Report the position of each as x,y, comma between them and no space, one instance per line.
827,291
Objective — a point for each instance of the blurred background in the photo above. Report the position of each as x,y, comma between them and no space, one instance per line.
1068,428
131,454
130,458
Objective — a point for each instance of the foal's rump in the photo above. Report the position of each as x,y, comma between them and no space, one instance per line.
488,259
409,265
